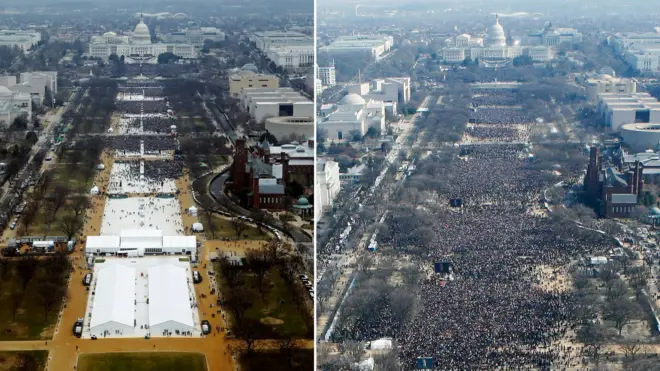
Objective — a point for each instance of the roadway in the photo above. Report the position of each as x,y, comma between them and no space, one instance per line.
216,189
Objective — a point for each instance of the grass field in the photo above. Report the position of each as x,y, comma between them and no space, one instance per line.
24,361
73,176
151,361
301,359
224,229
278,313
30,322
39,226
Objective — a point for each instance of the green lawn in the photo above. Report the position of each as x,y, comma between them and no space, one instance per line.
302,359
30,322
74,177
224,229
32,360
39,226
151,361
279,304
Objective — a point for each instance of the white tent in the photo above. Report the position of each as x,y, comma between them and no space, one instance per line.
94,190
111,130
100,167
379,344
198,227
169,300
193,211
114,302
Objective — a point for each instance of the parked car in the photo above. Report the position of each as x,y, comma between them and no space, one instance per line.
78,328
206,327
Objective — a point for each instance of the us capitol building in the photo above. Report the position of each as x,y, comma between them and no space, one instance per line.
494,51
136,47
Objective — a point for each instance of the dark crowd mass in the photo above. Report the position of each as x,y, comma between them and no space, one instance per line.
499,115
142,106
154,124
495,132
130,144
492,315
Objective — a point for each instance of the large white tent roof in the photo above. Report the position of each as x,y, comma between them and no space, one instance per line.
114,299
182,242
102,242
137,233
169,298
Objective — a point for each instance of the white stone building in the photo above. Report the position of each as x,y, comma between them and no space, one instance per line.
327,185
617,110
641,50
603,84
13,105
491,52
372,45
19,38
136,47
262,103
284,127
389,89
196,36
553,36
327,75
291,56
352,114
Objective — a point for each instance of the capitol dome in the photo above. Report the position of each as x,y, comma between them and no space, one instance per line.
141,34
351,99
496,36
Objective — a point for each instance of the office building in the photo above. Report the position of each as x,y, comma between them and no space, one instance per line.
619,109
327,75
262,103
18,38
373,46
249,79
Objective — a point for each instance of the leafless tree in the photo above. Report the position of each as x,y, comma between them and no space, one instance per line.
631,350
232,274
288,347
26,268
248,330
239,226
26,362
259,263
59,196
15,299
79,204
70,225
402,300
4,266
239,301
616,289
621,311
50,294
639,279
276,250
353,350
210,221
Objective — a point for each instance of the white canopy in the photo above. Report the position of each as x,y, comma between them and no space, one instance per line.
94,190
111,130
198,227
381,344
169,297
193,211
114,300
100,166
